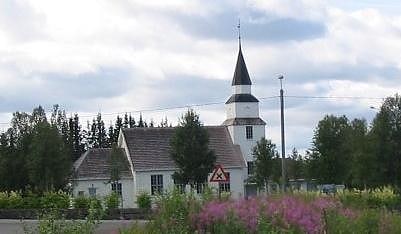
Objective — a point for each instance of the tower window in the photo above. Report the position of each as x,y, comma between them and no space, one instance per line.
249,132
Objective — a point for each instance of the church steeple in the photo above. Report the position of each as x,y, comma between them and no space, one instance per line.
241,76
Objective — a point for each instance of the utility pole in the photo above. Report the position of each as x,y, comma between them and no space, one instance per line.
282,134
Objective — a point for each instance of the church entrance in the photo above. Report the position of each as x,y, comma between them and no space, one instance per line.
251,190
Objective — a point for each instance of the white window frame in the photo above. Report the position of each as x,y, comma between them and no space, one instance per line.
156,184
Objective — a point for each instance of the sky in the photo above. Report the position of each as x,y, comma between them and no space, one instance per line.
145,56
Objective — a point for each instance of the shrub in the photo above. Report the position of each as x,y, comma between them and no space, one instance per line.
96,211
378,198
112,201
55,200
3,200
81,202
53,222
144,200
15,201
32,201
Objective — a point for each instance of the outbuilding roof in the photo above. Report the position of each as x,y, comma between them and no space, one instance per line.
95,163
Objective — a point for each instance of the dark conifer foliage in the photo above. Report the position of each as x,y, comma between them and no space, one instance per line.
131,121
126,123
190,151
141,124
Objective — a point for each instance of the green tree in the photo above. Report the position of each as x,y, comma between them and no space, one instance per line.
386,134
295,165
363,169
126,123
190,150
330,154
131,121
141,124
111,137
117,162
101,134
76,137
48,163
266,159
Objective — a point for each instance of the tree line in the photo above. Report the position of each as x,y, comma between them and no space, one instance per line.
350,152
37,151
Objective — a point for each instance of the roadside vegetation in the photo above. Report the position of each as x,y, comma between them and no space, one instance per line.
309,212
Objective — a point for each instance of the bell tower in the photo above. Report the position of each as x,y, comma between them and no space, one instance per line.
242,110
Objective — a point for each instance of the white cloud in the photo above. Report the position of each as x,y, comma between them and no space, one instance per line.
147,41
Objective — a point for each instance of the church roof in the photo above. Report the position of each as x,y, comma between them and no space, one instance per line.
95,163
149,148
242,97
241,76
244,121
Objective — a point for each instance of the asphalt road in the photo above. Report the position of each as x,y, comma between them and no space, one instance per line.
12,226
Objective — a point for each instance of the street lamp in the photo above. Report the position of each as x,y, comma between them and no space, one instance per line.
282,133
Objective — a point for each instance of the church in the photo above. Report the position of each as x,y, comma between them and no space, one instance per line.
148,167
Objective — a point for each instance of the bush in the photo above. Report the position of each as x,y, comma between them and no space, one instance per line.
53,222
32,201
378,198
3,200
81,202
96,211
144,200
55,200
112,201
15,201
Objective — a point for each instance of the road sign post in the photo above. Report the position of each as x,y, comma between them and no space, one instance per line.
219,175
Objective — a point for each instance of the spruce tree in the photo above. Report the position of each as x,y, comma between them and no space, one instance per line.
126,123
101,132
190,150
131,121
140,122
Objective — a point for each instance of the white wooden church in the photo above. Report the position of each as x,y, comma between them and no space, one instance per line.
148,166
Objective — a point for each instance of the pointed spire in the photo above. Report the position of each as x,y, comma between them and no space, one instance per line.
241,76
239,33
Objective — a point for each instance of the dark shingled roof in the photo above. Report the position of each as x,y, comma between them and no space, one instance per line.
150,147
241,76
95,163
242,97
244,121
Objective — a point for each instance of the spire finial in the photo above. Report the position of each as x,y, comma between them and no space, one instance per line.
239,32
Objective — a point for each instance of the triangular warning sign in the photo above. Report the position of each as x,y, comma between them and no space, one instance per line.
219,175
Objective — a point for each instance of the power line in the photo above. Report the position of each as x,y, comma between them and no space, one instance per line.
335,97
219,103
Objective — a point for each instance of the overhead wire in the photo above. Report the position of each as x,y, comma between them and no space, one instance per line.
218,103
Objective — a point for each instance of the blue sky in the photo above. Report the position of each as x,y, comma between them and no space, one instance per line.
127,56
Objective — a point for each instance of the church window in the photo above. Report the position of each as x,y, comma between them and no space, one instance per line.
225,186
249,132
117,188
92,192
156,184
